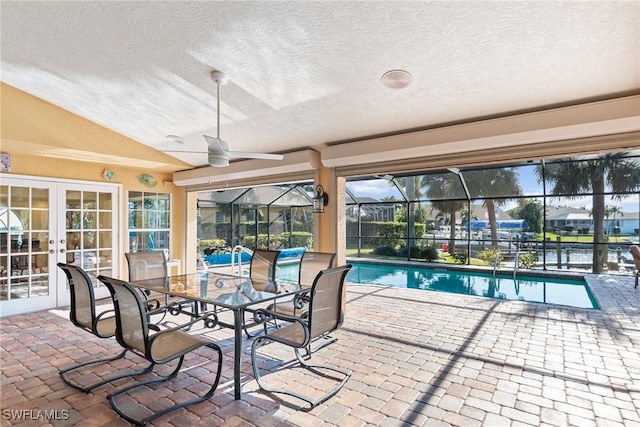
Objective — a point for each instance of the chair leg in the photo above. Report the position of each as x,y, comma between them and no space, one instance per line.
322,340
247,333
149,381
325,371
267,324
87,389
158,414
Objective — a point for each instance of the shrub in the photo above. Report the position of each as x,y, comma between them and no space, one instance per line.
460,257
380,233
390,233
488,256
430,253
411,252
385,250
297,239
210,243
527,260
263,242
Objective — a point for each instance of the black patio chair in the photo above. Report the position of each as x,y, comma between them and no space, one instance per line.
325,315
83,314
635,253
153,265
311,263
262,267
262,271
147,265
163,347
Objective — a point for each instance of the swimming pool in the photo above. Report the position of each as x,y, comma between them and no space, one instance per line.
542,289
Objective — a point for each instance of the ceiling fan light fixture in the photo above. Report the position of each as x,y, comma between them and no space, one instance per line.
218,160
396,79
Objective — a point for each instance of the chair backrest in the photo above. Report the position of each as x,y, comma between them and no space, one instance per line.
326,300
313,263
146,265
263,265
132,328
635,252
83,302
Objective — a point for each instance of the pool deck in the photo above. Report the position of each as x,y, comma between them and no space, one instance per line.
418,358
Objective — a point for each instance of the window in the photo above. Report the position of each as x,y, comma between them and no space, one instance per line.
149,221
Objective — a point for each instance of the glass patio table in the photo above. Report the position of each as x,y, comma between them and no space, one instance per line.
221,290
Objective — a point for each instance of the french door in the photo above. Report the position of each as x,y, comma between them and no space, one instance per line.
43,222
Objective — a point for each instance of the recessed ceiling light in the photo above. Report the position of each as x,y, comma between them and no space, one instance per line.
396,79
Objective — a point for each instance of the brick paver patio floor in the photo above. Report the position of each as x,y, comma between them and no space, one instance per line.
418,358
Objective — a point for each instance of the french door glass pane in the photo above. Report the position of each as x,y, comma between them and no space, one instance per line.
24,237
90,200
105,202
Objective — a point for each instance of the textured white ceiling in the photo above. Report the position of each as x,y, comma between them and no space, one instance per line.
306,74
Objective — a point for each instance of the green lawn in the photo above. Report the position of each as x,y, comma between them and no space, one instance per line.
445,258
580,238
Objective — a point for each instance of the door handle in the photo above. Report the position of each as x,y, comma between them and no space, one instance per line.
51,251
62,251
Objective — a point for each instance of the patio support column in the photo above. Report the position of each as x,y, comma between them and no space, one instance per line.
340,220
329,228
190,231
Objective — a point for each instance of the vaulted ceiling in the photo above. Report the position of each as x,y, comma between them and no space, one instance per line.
308,74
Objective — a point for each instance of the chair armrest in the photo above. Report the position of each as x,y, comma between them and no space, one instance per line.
99,316
152,305
301,299
291,339
209,318
262,315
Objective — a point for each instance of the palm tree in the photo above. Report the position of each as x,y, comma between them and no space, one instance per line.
573,178
490,184
445,191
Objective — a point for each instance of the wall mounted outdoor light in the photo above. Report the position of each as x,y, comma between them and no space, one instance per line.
320,200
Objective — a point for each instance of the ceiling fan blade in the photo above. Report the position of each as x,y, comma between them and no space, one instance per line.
247,155
184,151
216,144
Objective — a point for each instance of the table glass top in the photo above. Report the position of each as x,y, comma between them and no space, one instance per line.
219,289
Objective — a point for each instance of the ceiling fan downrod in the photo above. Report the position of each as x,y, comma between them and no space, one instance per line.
220,78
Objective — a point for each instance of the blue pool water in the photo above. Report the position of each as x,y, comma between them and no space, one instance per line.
225,259
542,289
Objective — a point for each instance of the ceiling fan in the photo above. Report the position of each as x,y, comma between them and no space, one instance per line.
217,149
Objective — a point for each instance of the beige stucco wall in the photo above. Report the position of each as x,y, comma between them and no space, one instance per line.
46,141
